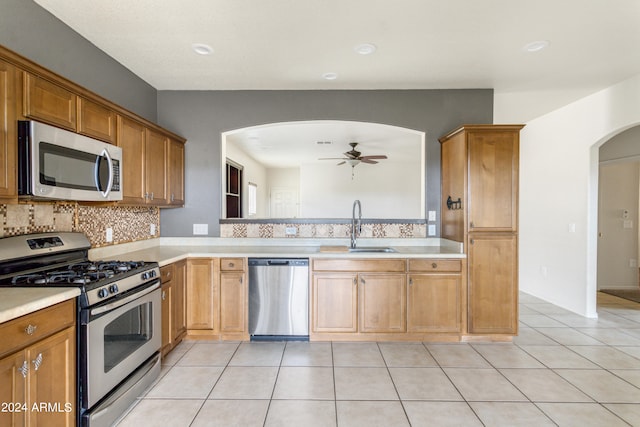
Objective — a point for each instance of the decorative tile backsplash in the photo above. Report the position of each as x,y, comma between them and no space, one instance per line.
129,223
267,230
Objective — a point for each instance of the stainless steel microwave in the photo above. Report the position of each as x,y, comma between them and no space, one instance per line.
54,163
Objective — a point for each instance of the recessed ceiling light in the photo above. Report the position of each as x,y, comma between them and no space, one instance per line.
536,46
365,48
202,49
330,76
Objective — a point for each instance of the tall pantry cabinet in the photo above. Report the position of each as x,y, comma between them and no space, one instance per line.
479,166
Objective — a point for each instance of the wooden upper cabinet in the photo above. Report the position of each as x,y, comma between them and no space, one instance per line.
131,137
175,173
47,102
96,121
156,167
493,180
480,170
8,136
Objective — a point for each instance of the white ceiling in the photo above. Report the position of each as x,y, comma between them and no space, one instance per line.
292,144
422,44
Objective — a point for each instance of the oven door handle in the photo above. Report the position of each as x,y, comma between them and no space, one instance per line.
120,303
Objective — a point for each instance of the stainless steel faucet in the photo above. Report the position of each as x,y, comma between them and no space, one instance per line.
356,228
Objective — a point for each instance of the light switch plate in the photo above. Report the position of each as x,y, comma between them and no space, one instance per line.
152,229
432,216
200,229
290,231
109,234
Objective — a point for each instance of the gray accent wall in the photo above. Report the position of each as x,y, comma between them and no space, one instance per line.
31,31
202,116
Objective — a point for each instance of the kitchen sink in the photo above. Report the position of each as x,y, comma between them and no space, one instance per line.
371,249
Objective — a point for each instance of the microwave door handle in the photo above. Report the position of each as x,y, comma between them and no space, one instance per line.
104,153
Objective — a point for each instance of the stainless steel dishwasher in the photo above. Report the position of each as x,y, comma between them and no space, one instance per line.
279,298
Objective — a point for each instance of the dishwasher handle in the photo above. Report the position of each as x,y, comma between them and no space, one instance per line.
278,262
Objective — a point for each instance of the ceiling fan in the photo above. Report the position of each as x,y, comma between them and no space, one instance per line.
354,157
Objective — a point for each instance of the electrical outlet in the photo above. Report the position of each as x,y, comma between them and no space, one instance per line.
200,229
109,234
431,230
432,216
152,229
290,231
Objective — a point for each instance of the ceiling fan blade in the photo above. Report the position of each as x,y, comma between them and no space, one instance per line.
380,156
333,158
369,161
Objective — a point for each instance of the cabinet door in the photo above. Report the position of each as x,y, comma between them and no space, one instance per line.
454,165
176,173
382,302
334,302
433,303
178,307
52,379
167,342
493,180
13,389
48,102
8,137
156,167
96,121
233,302
202,294
131,136
493,284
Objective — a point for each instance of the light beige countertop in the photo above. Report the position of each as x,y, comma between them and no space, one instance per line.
16,302
168,250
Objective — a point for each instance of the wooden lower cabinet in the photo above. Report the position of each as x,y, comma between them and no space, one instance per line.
167,341
233,302
334,302
179,300
493,284
410,299
203,296
382,302
434,303
39,380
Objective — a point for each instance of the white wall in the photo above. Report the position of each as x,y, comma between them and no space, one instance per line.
385,190
618,236
558,188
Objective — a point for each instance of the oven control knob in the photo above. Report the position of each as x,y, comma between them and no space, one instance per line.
113,289
103,293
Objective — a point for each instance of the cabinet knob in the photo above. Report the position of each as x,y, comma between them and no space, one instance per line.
471,224
434,265
164,295
31,329
231,265
152,195
173,198
410,281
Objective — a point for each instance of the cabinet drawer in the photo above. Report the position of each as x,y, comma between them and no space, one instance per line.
357,265
166,273
232,264
437,265
25,330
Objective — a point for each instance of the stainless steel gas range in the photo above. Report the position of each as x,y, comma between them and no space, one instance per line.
119,309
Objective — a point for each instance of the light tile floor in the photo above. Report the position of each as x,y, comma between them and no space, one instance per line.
562,370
